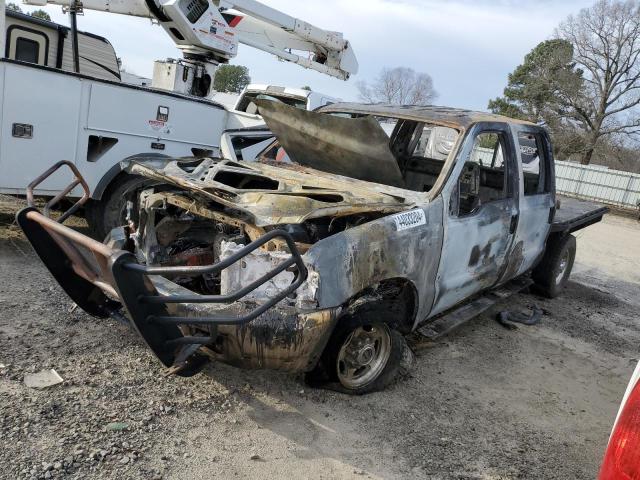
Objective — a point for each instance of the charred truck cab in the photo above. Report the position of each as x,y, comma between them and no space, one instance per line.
358,225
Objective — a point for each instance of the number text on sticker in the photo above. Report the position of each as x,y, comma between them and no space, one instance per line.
406,220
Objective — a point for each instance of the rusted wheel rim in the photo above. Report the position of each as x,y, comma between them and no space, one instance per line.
562,268
363,355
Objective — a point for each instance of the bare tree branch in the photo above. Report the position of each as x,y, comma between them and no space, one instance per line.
400,86
606,41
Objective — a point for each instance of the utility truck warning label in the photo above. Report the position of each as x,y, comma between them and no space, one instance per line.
411,219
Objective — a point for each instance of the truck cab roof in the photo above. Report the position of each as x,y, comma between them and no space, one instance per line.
457,118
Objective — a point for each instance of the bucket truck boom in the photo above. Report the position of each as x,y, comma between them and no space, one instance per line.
208,33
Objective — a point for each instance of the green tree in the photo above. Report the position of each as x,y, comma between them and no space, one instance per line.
306,87
41,14
544,86
231,78
14,7
546,89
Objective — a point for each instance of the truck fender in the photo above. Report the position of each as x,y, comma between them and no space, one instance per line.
116,169
394,300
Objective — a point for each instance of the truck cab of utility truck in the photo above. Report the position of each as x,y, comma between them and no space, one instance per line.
295,97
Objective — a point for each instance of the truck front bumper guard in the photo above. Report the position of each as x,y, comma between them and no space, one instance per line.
101,280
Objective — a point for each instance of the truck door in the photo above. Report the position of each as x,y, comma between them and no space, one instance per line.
481,214
536,199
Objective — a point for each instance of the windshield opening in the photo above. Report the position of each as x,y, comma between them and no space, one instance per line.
418,150
248,105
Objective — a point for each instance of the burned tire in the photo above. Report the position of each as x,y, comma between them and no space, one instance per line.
111,211
365,356
552,273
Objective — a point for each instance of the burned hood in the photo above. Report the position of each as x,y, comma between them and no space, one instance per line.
356,148
268,195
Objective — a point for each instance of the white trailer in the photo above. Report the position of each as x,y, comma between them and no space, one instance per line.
49,44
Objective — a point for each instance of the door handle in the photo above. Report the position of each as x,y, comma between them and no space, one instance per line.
514,223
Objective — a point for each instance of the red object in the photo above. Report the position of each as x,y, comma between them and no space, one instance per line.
280,155
235,21
622,458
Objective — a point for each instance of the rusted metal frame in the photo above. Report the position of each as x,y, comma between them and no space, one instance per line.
192,206
81,266
61,235
72,235
230,320
54,201
222,298
217,267
78,180
78,281
79,263
301,276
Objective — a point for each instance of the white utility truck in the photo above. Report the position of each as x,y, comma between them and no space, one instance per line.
247,143
295,97
69,109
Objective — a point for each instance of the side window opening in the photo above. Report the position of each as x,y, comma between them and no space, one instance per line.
27,50
423,159
484,175
534,163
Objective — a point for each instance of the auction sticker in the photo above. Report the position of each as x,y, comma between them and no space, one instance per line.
411,219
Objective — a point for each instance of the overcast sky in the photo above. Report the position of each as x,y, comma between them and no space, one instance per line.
467,46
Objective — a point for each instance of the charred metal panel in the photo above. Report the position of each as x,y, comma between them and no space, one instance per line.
535,212
283,338
301,193
531,234
457,118
356,148
476,246
474,252
358,258
257,264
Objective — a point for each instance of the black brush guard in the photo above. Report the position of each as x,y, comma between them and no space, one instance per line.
100,280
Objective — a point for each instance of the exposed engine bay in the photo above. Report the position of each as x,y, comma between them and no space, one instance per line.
200,226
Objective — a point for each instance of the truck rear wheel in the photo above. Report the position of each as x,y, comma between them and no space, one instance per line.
365,356
111,211
552,273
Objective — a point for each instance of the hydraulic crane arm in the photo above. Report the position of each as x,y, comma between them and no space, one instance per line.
210,30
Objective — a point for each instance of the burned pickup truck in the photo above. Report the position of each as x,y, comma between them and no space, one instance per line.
323,254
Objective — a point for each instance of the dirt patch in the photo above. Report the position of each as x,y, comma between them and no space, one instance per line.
483,403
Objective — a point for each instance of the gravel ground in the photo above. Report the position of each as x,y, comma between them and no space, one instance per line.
483,403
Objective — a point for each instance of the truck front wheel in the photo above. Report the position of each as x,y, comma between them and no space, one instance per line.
552,273
365,356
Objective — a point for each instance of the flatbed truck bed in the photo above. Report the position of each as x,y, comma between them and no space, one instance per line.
575,214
